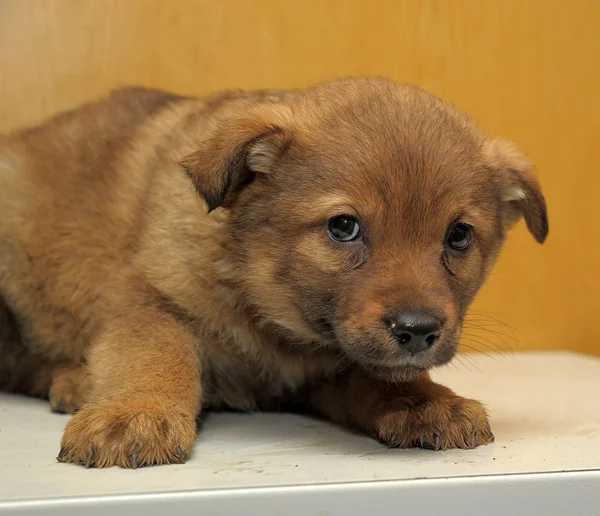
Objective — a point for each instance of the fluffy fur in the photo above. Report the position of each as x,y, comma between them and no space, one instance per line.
162,255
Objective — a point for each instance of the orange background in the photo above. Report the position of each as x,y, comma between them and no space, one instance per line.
527,70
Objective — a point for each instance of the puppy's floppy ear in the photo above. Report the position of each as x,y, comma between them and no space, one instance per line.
519,189
245,144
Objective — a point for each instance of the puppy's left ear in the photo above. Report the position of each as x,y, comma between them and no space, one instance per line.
520,191
247,143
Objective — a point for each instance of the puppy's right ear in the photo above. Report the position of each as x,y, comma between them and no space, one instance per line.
245,144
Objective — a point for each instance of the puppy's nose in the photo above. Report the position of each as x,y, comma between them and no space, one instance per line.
415,330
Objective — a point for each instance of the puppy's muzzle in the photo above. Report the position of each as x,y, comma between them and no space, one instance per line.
415,330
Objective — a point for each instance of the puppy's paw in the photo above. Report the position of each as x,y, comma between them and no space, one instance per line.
436,424
68,390
128,434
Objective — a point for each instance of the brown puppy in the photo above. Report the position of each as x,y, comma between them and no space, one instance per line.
318,248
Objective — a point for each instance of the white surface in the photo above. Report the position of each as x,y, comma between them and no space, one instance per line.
545,411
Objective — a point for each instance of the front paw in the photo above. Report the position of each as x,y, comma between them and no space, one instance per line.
128,434
441,423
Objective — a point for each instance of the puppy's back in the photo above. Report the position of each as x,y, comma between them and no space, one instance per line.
57,158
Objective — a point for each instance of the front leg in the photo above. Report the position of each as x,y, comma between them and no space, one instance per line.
145,395
405,415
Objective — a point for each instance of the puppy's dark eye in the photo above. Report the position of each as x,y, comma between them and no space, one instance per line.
460,237
343,228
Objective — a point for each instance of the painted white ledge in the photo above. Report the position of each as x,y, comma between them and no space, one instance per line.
545,410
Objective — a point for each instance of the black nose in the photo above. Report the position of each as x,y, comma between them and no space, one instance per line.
415,330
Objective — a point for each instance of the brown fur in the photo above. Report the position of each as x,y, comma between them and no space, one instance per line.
123,296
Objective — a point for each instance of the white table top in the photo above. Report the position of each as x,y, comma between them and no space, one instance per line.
545,411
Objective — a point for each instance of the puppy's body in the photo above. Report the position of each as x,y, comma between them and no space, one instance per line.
103,214
123,294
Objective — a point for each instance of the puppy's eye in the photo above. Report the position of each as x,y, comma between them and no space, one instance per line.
460,237
343,228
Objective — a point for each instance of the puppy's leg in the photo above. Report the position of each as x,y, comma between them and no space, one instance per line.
21,370
145,394
69,388
413,414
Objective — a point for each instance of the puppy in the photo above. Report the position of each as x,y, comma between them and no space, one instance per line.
313,249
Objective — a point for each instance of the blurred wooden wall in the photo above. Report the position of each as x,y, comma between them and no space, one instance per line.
528,70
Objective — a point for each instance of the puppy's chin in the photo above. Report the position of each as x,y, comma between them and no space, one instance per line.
393,374
402,367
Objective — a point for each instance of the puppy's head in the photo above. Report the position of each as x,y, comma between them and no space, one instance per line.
366,216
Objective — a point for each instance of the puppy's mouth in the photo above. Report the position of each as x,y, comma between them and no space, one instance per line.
384,359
